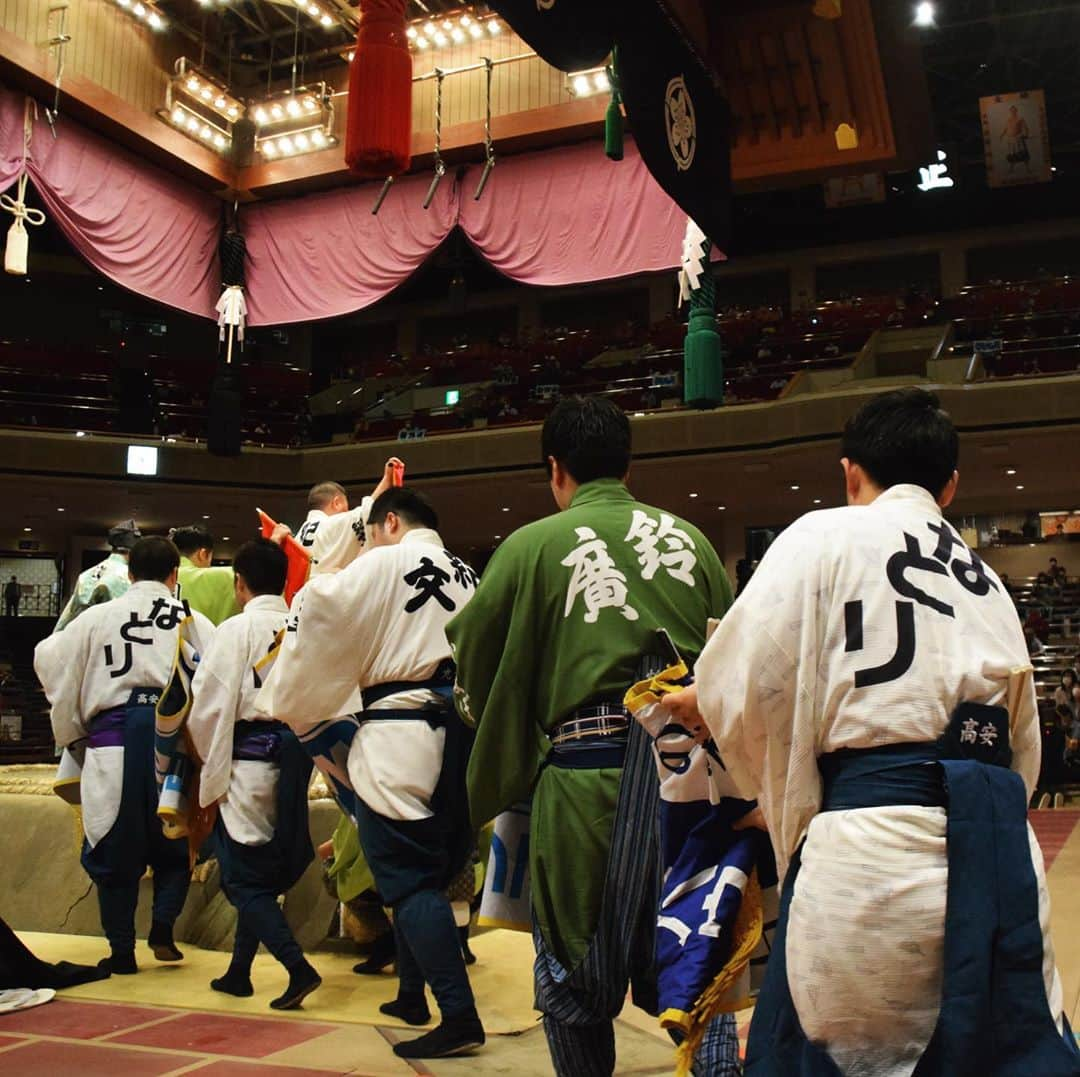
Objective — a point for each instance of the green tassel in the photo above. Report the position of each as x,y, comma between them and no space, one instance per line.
613,130
613,120
703,350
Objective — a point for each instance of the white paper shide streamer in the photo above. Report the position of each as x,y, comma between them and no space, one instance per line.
232,311
692,262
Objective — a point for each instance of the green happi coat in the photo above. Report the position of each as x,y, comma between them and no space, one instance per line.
563,615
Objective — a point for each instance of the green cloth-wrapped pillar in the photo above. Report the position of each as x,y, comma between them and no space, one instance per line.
703,352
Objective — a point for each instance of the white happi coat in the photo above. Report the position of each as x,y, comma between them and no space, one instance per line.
380,620
334,541
223,693
94,665
777,688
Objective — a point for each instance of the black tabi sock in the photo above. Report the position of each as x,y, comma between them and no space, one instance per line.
412,1009
119,964
303,979
455,1036
235,982
160,940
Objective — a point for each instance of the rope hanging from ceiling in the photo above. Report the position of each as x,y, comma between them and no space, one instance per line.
18,241
232,306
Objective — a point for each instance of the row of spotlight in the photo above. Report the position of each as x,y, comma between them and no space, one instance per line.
295,143
430,34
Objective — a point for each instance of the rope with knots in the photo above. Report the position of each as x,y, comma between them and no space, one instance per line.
489,146
18,242
440,165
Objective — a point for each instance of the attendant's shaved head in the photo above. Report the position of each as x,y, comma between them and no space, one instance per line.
323,494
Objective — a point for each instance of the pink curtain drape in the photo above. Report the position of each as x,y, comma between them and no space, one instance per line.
570,216
565,216
11,139
138,225
556,217
324,255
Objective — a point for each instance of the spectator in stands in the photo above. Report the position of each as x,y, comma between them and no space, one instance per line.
1053,769
744,571
1035,645
1038,623
550,371
1072,737
1064,694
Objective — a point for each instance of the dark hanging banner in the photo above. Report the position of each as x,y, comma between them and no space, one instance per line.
680,120
572,35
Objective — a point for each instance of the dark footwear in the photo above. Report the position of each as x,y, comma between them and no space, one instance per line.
466,953
66,974
302,981
119,965
382,954
233,983
412,1009
455,1036
161,942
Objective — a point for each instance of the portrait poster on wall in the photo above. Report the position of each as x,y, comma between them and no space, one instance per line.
854,190
1015,139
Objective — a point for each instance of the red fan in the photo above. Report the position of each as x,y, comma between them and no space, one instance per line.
299,561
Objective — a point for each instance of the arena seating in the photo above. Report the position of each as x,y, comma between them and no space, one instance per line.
1021,329
74,390
21,696
641,369
1034,327
1060,607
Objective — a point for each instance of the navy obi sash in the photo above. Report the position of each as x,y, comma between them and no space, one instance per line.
994,1017
441,682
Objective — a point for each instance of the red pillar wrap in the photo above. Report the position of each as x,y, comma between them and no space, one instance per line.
378,128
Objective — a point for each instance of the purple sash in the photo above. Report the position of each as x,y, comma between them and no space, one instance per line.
257,742
107,729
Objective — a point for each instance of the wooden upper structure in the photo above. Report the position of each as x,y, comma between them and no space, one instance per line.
793,74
